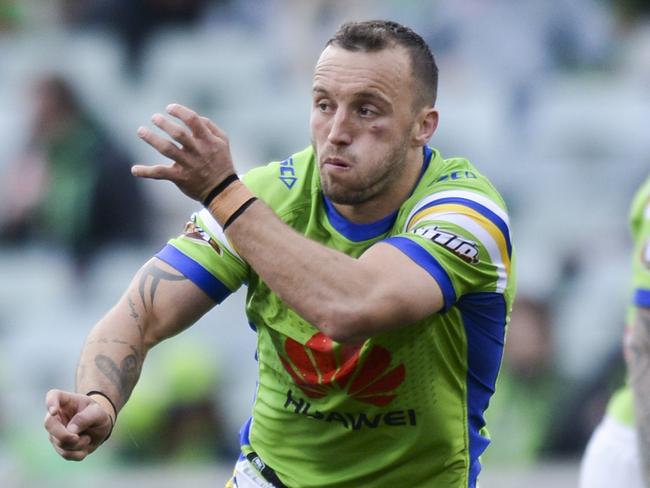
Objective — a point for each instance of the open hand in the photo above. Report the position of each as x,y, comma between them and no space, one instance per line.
200,152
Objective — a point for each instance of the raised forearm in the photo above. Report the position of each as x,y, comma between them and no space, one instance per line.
639,364
346,298
314,280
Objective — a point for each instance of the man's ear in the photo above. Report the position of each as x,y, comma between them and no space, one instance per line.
426,124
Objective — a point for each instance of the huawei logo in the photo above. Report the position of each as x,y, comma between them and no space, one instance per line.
317,367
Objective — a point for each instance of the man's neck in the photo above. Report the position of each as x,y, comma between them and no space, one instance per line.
388,202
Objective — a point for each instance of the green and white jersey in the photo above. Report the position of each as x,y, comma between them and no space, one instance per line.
621,406
404,408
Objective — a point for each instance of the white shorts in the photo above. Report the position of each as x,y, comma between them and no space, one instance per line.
611,457
246,476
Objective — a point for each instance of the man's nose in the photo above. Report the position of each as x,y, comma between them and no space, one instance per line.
340,132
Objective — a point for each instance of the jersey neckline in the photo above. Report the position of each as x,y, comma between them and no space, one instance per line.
362,232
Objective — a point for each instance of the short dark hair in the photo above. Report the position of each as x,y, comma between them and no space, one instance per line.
376,35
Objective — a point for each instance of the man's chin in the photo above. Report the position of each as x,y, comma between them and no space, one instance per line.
344,197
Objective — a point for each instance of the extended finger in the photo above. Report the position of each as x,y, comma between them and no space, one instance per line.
155,172
175,131
190,118
161,144
214,128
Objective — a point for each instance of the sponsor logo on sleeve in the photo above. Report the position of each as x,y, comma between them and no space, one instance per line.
288,173
195,232
463,248
457,175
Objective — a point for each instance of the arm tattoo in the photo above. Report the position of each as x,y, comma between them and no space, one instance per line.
123,377
640,379
133,313
136,318
156,274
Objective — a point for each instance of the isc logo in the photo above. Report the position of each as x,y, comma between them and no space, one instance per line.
457,175
463,248
288,173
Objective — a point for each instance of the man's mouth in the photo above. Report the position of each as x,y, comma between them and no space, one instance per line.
336,163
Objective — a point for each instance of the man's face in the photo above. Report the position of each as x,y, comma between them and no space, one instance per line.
361,121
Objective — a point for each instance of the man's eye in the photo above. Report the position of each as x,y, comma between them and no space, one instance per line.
323,106
366,112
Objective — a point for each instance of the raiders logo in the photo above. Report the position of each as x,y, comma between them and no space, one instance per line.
194,231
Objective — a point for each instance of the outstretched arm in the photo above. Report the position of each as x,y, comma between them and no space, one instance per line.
639,364
348,299
159,303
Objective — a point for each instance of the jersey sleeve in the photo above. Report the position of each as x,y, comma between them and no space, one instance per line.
641,260
203,254
462,239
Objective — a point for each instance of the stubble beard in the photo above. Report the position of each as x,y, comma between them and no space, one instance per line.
371,185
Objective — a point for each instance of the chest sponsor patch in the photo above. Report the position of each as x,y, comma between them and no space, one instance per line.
319,366
464,248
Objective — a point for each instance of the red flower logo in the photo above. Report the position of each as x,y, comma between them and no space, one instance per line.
317,367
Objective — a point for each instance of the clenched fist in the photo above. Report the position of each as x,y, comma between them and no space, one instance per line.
76,423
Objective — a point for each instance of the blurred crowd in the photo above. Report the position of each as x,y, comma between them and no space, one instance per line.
549,98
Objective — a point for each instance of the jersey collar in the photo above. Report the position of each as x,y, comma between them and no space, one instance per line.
363,232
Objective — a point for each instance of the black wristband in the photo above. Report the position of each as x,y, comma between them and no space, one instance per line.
111,429
219,188
238,212
96,392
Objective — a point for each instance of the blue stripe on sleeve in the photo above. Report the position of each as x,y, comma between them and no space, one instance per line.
642,297
422,257
484,318
196,273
